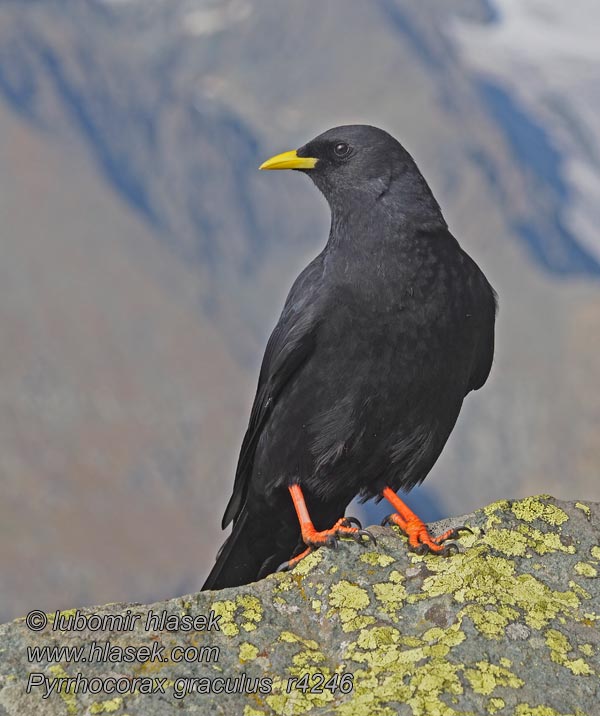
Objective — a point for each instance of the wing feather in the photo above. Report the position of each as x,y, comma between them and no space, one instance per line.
290,345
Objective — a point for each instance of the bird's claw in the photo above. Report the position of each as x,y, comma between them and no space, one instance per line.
357,534
387,520
419,539
349,521
449,549
364,533
291,563
452,534
446,551
329,538
419,548
461,528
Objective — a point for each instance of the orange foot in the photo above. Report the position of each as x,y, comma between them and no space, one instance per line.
314,538
419,538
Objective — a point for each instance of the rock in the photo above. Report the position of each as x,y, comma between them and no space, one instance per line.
507,626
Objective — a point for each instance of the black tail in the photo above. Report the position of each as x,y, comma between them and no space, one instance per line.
249,553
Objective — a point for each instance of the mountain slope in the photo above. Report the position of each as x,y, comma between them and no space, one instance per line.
145,259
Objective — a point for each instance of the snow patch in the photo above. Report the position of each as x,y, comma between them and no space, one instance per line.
213,17
547,54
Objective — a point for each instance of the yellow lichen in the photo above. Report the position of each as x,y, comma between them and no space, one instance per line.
584,508
226,610
308,563
347,600
560,647
106,707
247,652
544,542
478,577
307,658
249,607
527,710
376,559
440,641
378,638
495,704
490,622
484,677
537,508
579,590
364,703
406,669
307,661
65,690
251,610
396,577
429,682
596,551
509,542
291,638
391,596
492,510
585,569
65,613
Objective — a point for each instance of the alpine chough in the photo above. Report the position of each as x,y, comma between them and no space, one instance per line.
381,338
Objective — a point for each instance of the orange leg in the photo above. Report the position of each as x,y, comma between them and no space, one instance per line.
419,539
314,538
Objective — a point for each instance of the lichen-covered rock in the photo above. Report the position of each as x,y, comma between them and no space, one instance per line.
510,625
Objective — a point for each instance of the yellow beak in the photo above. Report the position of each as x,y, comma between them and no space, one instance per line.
289,160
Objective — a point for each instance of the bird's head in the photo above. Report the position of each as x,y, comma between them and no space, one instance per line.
353,163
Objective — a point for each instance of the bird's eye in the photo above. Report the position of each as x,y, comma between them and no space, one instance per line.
341,149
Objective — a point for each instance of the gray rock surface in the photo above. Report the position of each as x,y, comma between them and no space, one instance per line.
137,298
507,626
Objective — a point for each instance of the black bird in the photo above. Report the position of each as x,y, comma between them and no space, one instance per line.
381,338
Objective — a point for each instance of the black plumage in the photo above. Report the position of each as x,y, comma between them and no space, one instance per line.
381,337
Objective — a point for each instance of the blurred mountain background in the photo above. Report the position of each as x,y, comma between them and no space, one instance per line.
145,259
